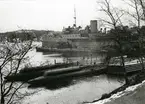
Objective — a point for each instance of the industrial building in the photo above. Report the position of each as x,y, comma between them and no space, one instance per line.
90,39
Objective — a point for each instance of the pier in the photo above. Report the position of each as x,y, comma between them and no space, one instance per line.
119,70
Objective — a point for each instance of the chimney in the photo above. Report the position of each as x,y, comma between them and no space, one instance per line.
94,26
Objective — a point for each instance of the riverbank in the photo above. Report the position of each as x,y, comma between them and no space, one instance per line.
132,95
128,95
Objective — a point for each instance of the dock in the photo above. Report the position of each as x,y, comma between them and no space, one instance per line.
119,70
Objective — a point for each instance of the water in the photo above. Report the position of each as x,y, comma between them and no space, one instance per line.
39,58
80,90
83,90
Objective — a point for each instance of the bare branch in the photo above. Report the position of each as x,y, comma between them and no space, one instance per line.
12,55
14,93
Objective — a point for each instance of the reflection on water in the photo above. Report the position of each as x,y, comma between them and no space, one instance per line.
73,91
81,90
53,84
74,54
39,58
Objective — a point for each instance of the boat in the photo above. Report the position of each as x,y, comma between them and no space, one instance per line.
85,70
26,74
62,70
46,67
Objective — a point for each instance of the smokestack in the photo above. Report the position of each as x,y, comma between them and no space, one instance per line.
94,26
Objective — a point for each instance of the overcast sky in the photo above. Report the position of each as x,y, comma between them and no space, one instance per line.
45,14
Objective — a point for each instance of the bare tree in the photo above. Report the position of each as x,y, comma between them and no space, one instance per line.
113,16
114,20
12,56
138,14
142,3
113,13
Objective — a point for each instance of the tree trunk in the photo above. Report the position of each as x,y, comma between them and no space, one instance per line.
2,99
123,63
125,72
142,63
1,89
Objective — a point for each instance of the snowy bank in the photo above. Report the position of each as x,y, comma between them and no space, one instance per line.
120,94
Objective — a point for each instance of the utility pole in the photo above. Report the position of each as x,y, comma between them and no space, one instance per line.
75,16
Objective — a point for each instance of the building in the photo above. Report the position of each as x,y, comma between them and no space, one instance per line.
89,39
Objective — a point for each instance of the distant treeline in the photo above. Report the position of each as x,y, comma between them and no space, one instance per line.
22,35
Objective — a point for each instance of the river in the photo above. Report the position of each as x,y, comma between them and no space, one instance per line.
77,91
81,90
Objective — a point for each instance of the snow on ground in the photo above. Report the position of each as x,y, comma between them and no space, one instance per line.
120,94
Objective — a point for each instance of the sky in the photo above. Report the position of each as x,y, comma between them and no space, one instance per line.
45,14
